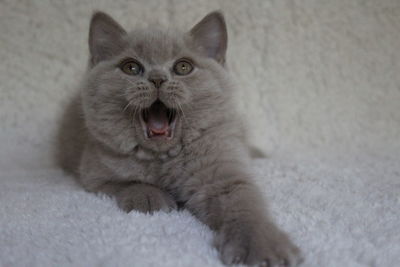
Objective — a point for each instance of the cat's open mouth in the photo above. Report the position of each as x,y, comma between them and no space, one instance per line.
158,121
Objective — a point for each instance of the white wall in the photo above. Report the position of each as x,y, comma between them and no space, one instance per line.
311,74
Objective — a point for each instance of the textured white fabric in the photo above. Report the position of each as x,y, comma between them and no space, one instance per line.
312,76
341,212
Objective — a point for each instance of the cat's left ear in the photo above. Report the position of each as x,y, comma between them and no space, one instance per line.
106,37
210,36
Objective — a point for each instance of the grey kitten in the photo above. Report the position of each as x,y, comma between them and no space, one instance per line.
160,128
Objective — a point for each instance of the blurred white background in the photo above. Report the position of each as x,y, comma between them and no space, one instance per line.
311,75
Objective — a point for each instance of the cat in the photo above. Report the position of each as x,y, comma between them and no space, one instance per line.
159,127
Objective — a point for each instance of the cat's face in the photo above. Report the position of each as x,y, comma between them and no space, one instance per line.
152,87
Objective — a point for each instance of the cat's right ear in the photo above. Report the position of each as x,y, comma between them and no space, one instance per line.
106,37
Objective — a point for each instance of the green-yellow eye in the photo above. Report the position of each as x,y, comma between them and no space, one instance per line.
183,67
131,67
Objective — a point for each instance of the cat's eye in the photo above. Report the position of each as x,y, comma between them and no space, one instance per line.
183,67
131,67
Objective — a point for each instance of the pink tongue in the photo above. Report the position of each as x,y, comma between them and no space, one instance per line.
157,119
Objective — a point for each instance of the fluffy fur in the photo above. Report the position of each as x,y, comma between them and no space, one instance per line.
203,167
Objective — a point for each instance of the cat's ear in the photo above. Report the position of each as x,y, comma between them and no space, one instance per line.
106,37
211,37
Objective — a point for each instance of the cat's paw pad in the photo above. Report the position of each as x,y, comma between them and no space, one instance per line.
146,199
273,249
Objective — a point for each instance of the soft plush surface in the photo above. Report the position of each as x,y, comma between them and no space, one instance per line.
341,212
318,82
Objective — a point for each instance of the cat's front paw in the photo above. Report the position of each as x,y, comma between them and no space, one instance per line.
145,198
261,247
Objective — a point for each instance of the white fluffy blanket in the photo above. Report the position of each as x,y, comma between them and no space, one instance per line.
341,212
312,76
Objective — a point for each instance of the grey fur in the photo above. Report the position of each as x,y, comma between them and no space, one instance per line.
204,166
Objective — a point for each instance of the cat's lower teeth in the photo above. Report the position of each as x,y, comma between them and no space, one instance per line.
158,121
151,134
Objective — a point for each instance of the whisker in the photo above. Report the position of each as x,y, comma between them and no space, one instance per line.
127,106
133,114
136,110
129,81
184,116
183,113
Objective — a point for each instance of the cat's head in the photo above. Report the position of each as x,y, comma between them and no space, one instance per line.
153,87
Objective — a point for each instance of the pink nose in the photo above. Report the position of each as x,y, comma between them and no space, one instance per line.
157,81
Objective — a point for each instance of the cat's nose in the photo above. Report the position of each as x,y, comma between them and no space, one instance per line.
158,80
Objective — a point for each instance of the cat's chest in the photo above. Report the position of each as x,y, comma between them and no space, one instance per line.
130,168
166,170
145,167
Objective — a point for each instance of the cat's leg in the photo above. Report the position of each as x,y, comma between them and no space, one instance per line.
138,196
130,194
232,206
